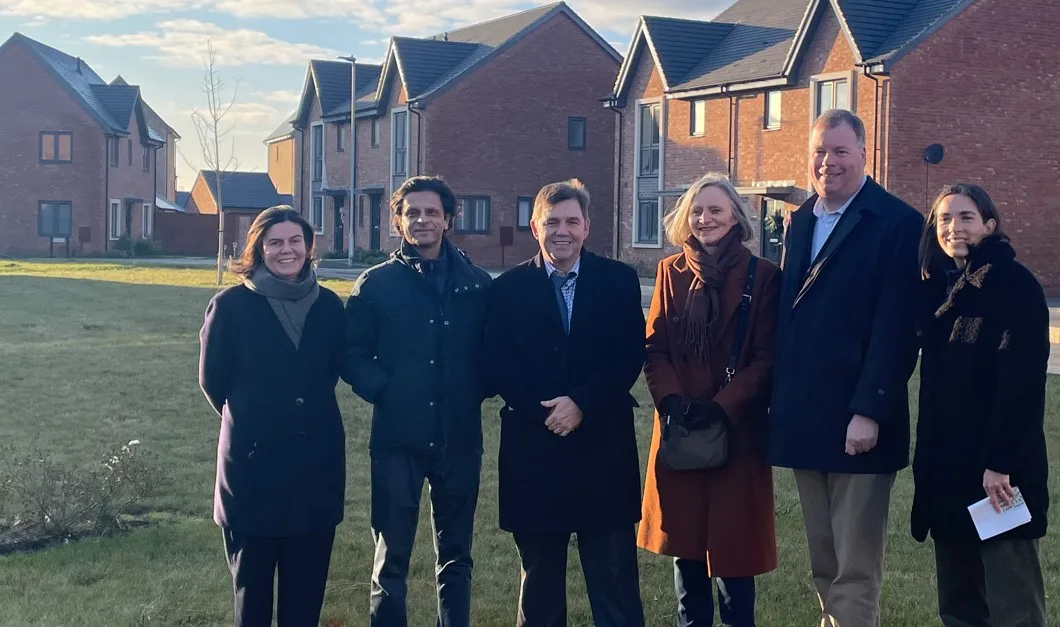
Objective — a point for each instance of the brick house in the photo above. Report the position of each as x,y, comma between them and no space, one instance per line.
243,196
738,94
498,109
80,166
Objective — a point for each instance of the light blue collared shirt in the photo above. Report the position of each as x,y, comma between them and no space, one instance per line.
826,220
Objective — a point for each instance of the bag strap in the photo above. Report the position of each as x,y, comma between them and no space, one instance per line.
742,319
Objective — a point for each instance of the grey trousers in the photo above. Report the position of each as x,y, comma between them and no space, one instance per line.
997,583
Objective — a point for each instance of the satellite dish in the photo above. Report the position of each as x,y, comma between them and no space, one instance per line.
933,154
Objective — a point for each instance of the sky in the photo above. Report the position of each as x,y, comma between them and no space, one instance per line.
263,46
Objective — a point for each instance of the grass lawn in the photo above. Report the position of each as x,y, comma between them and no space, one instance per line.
95,355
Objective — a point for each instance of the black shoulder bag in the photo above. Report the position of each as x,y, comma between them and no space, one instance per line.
701,449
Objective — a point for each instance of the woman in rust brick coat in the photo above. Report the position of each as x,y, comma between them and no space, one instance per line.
716,523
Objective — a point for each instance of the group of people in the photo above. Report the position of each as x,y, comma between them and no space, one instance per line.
749,367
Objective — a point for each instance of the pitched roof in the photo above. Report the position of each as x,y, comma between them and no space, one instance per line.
427,66
284,130
181,199
120,80
118,101
760,39
244,190
332,79
367,81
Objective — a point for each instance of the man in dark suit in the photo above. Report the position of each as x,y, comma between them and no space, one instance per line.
564,344
846,346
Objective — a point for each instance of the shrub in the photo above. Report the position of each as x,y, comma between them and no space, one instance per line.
147,248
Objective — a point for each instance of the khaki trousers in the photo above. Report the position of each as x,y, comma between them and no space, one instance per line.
846,528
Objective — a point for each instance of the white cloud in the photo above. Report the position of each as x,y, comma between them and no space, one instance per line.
182,43
289,97
36,22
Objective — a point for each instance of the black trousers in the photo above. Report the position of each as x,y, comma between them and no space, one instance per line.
397,482
302,564
695,597
997,583
609,563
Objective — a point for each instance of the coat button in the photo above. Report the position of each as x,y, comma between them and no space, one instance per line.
298,402
677,319
300,436
432,403
250,455
432,362
446,323
431,445
431,321
881,392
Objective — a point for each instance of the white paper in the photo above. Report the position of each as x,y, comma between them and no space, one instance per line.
989,523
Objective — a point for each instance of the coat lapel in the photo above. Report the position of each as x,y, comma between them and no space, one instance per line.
542,285
850,219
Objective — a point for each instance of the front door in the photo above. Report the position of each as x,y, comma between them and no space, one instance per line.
376,218
772,220
339,243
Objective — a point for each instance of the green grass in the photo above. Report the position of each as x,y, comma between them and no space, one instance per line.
94,355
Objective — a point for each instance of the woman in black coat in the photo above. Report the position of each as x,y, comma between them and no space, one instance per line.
272,352
982,402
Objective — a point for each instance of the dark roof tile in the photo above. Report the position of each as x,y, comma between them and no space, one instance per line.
244,190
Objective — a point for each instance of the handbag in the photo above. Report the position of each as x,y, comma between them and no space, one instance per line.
701,449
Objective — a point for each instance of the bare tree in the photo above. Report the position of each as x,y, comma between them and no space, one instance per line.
211,130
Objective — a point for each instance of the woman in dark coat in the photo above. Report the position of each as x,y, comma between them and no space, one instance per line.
980,432
272,351
716,523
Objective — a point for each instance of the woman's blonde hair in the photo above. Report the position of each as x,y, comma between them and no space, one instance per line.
675,223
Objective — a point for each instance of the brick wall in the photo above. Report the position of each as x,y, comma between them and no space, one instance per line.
985,86
40,103
501,131
281,165
129,180
201,200
187,233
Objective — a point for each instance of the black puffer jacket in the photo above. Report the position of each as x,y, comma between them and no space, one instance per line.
415,352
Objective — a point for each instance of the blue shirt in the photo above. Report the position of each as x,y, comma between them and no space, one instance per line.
568,287
826,220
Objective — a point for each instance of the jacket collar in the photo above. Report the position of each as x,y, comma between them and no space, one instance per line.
982,258
461,275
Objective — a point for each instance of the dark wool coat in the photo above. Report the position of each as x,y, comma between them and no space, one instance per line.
281,466
846,336
589,479
982,394
722,515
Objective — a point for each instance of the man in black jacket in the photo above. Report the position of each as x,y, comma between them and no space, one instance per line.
414,351
846,346
564,345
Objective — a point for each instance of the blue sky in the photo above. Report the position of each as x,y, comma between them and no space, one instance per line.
263,46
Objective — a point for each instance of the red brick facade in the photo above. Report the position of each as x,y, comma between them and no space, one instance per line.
87,183
955,88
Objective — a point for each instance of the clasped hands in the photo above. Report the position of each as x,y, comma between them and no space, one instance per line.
565,415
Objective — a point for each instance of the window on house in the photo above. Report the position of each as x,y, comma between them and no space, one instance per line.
316,140
147,159
55,147
772,220
771,118
53,219
340,137
129,142
399,153
647,222
375,132
316,216
576,133
698,118
524,209
360,212
148,223
833,94
112,150
649,139
114,220
473,214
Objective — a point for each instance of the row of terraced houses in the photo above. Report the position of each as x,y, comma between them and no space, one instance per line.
502,107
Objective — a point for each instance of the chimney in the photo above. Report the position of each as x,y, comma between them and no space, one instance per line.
445,36
78,65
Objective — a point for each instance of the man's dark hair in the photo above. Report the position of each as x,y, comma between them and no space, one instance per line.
434,184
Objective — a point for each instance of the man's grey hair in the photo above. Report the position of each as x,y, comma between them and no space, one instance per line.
834,117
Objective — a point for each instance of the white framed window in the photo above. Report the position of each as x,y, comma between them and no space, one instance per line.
649,122
114,219
148,219
524,209
472,214
697,119
399,146
771,117
340,137
316,215
647,223
316,146
832,91
375,132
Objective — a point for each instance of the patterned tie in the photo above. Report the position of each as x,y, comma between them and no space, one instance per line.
558,281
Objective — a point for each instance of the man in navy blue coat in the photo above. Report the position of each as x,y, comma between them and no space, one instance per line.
846,347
